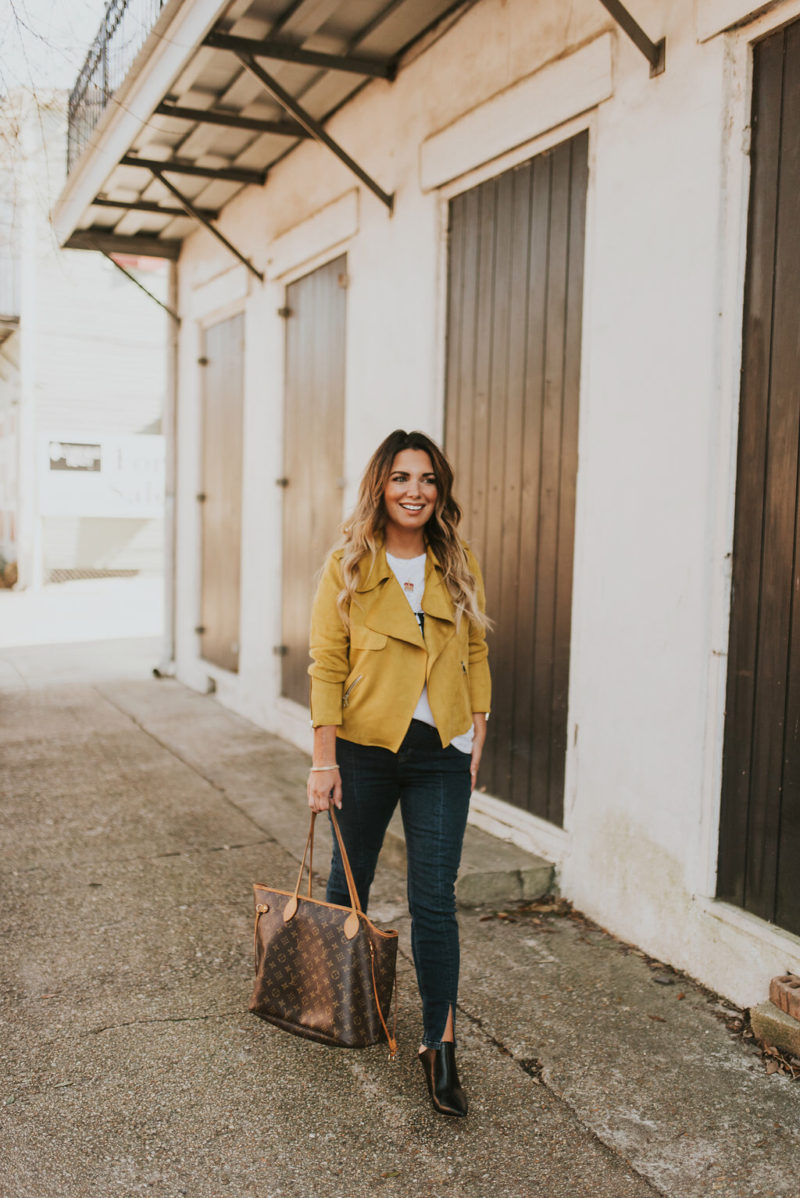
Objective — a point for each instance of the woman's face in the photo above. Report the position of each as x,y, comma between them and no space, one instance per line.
410,494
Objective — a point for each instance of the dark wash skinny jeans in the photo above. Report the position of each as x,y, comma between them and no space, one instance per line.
433,786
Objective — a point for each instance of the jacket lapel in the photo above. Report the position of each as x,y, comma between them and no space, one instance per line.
437,605
385,607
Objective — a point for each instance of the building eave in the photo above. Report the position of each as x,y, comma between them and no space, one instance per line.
168,49
126,146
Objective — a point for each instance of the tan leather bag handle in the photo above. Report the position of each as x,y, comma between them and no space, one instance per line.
351,887
308,853
351,923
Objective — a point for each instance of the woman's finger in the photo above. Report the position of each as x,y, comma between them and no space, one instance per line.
317,798
321,793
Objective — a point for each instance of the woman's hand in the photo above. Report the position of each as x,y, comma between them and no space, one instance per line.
479,724
323,787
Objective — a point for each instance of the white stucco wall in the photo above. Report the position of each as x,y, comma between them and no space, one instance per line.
666,229
88,361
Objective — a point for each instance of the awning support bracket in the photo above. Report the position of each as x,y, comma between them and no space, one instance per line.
197,215
269,48
182,166
170,311
312,126
231,120
147,206
654,52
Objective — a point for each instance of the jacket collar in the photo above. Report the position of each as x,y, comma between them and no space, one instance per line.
374,572
389,611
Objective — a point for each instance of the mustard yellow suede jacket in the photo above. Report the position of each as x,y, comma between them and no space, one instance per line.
367,680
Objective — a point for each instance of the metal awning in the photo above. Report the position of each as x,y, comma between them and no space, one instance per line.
265,76
255,79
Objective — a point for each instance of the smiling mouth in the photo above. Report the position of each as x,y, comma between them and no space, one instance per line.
412,507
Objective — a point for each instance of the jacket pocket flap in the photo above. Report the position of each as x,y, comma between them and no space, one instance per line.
365,638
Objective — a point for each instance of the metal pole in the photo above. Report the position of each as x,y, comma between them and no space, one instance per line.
197,215
141,286
313,127
654,52
166,666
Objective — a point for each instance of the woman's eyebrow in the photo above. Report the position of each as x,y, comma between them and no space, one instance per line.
427,475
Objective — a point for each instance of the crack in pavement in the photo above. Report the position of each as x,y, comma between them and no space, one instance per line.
110,1027
533,1070
197,851
13,665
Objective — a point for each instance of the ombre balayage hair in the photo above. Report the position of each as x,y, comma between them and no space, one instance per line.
363,533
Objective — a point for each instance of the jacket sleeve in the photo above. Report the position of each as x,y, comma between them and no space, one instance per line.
480,681
329,648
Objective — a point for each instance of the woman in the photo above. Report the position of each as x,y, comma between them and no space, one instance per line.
400,692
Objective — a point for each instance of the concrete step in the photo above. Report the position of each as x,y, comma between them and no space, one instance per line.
775,1027
492,870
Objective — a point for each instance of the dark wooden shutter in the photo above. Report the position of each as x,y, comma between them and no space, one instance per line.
313,452
221,492
513,373
760,818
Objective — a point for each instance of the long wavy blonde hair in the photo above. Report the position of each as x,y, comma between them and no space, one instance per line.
363,533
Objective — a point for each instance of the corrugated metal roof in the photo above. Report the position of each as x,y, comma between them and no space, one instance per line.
215,85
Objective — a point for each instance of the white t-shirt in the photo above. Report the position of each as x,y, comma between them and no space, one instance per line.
410,573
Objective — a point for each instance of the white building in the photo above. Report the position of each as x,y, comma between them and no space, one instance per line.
551,228
82,378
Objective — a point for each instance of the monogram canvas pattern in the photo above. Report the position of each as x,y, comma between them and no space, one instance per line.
312,980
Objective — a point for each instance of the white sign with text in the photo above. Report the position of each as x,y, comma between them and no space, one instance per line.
101,475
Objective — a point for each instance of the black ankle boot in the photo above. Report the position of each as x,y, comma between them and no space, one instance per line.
439,1067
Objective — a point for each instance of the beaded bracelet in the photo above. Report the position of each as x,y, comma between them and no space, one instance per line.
323,769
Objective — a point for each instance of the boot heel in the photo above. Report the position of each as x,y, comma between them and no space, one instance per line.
441,1075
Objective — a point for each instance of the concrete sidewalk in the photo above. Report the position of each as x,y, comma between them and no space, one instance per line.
84,609
136,814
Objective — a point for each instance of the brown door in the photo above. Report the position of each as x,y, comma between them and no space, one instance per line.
759,848
313,453
221,492
513,370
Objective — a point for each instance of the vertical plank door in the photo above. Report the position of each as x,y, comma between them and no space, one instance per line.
221,491
759,846
515,295
313,453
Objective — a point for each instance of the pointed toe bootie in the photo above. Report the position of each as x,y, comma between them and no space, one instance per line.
439,1067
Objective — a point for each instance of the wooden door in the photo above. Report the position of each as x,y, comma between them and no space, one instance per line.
313,453
221,491
759,848
513,374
